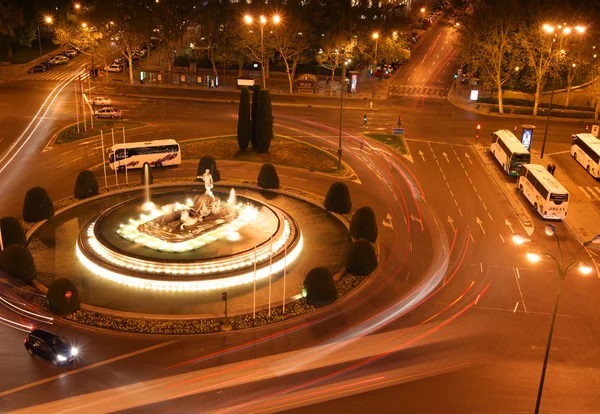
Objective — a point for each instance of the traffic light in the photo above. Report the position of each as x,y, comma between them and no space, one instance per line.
478,128
455,75
587,128
365,120
224,296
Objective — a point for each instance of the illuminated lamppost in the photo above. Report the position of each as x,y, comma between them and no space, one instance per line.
376,37
262,22
342,85
563,268
77,6
563,31
47,20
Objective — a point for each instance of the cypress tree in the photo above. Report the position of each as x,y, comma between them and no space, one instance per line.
264,122
37,205
255,97
86,185
12,232
244,127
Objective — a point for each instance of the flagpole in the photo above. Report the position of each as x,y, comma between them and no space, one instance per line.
270,270
112,131
103,160
125,151
254,302
284,273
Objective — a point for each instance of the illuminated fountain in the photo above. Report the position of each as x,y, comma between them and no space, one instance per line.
194,241
148,205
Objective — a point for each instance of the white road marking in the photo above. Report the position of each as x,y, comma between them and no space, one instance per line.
516,306
502,238
520,292
301,179
481,266
395,197
490,216
472,239
460,212
86,368
64,152
591,190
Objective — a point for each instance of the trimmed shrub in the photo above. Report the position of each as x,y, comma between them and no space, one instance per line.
364,224
58,302
244,126
150,174
338,199
264,122
361,258
37,205
208,163
18,262
320,287
267,176
255,97
12,232
86,185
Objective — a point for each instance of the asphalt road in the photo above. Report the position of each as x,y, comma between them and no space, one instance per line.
476,345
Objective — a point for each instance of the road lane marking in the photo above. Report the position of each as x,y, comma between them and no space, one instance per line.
472,239
86,368
516,306
301,179
594,196
460,212
481,266
395,196
60,154
502,238
520,292
61,165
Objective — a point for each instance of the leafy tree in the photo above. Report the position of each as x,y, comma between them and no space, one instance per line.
292,45
320,287
86,185
264,122
143,174
12,232
364,224
334,54
255,97
244,127
18,262
267,176
361,258
173,17
593,92
208,163
37,205
57,300
489,43
338,199
11,20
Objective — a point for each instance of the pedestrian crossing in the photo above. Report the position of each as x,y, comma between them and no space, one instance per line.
592,193
414,90
56,75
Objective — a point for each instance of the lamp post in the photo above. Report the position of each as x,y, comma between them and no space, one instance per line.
564,31
47,20
562,268
376,37
262,22
342,85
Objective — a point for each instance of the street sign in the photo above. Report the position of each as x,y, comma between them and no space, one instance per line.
459,71
68,294
595,129
398,131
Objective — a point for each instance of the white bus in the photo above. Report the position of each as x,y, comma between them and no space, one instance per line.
585,148
509,151
159,153
548,196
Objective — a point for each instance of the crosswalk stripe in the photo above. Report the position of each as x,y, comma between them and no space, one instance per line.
584,192
594,196
597,189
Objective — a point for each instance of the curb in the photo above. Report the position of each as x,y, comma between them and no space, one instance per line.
55,136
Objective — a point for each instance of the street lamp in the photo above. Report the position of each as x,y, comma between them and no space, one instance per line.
376,37
564,31
563,268
345,63
77,6
47,20
422,9
276,19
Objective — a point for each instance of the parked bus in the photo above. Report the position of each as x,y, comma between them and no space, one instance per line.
159,153
585,148
509,151
544,192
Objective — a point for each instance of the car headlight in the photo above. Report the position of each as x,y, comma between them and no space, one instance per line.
61,358
74,351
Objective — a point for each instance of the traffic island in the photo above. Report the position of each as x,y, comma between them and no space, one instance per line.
77,132
126,306
397,142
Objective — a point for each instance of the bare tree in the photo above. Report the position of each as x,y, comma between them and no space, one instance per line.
593,93
292,45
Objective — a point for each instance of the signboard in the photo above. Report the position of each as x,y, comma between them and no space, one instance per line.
68,294
527,137
398,131
595,129
354,82
474,94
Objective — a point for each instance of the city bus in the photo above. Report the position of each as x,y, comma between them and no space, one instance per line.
585,148
548,197
159,153
509,151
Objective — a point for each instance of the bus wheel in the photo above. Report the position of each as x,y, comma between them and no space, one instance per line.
158,164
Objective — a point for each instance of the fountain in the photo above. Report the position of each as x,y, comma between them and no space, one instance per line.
148,205
209,241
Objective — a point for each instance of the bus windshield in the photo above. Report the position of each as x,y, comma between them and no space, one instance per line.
520,158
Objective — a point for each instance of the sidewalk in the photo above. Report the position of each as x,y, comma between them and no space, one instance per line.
583,219
9,73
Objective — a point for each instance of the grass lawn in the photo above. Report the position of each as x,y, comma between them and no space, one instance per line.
70,134
23,54
394,141
283,151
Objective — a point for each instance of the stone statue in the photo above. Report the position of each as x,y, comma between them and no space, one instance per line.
208,182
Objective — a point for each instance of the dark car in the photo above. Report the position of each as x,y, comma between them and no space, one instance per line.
47,63
49,346
38,68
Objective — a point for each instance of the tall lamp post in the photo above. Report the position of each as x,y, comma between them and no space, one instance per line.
48,20
376,37
342,86
563,268
564,31
262,22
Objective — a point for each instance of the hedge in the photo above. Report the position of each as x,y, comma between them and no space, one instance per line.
86,185
361,258
320,287
12,232
37,205
364,224
244,126
267,176
18,262
58,302
264,122
338,198
255,97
